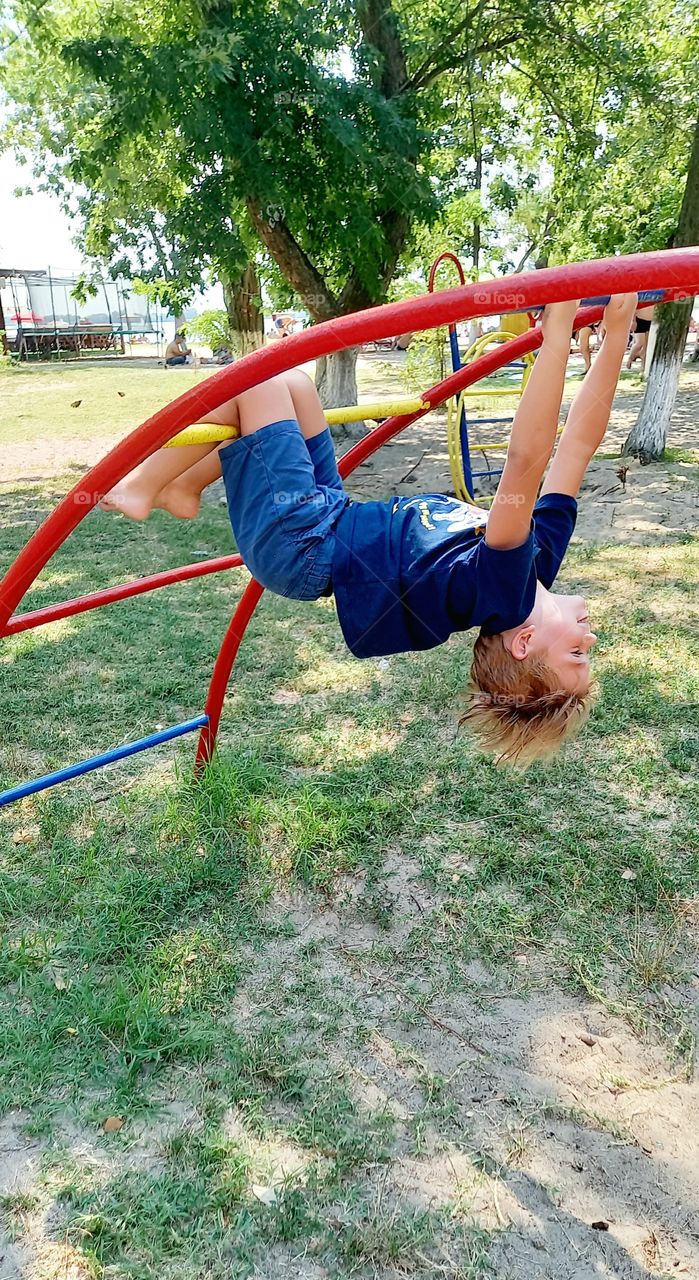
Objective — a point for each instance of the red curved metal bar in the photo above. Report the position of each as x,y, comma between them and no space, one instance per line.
672,269
222,669
447,256
676,272
109,595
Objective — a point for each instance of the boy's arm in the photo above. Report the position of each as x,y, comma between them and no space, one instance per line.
533,433
590,410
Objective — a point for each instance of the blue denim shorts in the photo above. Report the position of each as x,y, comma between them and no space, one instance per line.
285,497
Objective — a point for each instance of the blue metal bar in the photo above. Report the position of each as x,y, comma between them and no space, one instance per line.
454,344
463,423
475,421
98,762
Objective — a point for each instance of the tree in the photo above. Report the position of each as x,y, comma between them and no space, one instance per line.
315,127
647,437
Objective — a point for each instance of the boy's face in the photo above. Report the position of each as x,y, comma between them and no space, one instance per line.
562,637
557,631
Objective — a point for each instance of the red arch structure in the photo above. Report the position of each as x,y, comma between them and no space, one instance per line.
657,277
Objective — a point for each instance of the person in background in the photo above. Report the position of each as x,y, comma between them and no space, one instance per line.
177,352
639,346
582,337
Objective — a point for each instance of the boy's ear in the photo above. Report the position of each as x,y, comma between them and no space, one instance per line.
522,642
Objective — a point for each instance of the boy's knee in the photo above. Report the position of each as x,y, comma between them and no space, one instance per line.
270,386
298,380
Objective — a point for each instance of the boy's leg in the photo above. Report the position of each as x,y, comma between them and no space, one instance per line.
140,490
135,494
282,517
584,345
316,432
182,496
638,350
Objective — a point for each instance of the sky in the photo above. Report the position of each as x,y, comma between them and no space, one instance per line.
35,233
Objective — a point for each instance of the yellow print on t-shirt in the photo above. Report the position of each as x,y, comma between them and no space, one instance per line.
462,516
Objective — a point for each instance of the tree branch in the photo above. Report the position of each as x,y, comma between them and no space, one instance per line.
160,253
539,239
555,106
455,61
446,43
295,264
380,31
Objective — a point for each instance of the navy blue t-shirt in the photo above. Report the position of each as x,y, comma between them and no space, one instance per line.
410,571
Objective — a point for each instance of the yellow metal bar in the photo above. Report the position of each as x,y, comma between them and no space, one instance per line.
203,433
454,410
486,339
494,444
211,433
499,391
375,410
454,447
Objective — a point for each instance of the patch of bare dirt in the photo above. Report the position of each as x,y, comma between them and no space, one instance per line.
570,1138
31,1243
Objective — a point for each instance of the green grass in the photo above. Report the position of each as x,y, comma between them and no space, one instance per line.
157,966
38,400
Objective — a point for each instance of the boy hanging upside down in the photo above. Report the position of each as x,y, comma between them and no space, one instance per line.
407,572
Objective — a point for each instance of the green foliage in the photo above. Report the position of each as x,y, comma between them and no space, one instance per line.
427,360
331,130
212,328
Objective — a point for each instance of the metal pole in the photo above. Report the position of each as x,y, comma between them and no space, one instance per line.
3,335
53,313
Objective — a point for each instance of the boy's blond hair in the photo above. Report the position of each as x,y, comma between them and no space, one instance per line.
517,709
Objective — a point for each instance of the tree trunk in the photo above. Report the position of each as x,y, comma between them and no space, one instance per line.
241,296
336,383
647,438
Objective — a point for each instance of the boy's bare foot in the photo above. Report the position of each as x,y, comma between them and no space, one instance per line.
128,498
178,500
